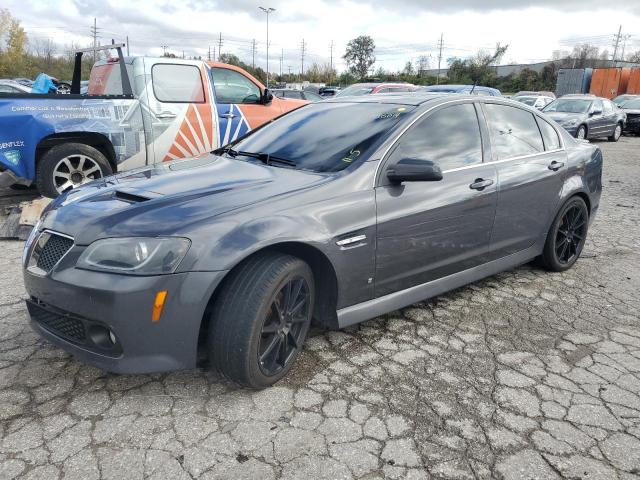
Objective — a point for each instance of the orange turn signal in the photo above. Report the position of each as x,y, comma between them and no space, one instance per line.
158,305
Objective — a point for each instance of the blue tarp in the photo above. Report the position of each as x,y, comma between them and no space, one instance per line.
43,84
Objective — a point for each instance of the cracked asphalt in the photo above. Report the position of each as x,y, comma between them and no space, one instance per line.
525,375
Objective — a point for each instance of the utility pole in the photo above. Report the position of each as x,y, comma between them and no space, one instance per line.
164,50
281,59
94,33
440,44
267,10
303,50
209,54
182,53
127,45
253,53
331,62
617,42
289,67
219,46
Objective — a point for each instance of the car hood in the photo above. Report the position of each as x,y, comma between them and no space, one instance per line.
564,117
631,111
170,199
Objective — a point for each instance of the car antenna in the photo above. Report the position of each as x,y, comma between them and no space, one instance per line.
474,87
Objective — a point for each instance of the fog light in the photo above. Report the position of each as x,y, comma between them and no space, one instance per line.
112,337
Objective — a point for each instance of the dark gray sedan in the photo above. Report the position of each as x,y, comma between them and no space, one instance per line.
339,211
588,116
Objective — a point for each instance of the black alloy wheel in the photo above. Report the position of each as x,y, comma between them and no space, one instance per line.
284,327
571,234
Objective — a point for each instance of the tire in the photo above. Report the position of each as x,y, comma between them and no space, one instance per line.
617,133
582,133
65,159
559,255
245,323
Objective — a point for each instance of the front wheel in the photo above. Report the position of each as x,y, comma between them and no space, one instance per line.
261,319
566,237
581,134
616,134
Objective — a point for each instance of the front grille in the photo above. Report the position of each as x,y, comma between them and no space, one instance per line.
52,251
62,325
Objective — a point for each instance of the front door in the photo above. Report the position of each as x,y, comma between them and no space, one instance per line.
428,230
237,102
530,175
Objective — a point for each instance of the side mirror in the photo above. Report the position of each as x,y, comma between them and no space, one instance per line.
414,170
595,112
267,97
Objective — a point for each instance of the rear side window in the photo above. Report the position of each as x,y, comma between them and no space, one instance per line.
177,83
514,132
549,135
449,137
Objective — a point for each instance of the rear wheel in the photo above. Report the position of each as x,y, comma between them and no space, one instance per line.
69,165
566,237
261,319
582,132
616,133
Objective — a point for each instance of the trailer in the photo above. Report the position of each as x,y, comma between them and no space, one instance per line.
573,81
609,82
634,81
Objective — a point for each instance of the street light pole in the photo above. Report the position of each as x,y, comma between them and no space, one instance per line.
267,10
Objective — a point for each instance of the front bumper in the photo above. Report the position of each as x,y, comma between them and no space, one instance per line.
8,178
79,300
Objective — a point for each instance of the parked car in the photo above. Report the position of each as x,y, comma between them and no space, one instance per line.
632,109
174,109
328,91
13,87
588,116
358,89
620,100
536,101
341,210
542,93
466,89
297,94
24,81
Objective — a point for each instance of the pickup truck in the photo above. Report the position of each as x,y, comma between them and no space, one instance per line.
137,111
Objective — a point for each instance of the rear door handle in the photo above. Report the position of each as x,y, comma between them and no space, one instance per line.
480,184
165,115
555,166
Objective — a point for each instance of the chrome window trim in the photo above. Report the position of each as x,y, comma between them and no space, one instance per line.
486,100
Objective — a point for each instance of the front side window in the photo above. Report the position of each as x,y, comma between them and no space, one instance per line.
177,83
549,134
597,106
514,132
233,87
608,107
325,137
449,137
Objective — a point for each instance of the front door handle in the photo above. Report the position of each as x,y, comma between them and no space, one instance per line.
227,115
480,184
555,166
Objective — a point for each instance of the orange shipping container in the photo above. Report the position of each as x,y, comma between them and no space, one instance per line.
609,82
634,81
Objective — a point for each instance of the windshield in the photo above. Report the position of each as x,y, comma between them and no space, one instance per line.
325,137
526,100
355,90
622,99
569,105
632,104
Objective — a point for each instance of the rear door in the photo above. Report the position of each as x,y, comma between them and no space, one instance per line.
428,230
530,174
610,115
181,111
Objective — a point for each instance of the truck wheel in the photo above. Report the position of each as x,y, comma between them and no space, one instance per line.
261,319
68,165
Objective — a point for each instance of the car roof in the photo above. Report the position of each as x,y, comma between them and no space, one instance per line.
404,98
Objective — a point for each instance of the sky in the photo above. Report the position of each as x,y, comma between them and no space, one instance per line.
403,30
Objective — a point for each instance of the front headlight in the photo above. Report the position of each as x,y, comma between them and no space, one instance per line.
135,256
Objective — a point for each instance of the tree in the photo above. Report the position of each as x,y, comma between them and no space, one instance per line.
360,55
634,57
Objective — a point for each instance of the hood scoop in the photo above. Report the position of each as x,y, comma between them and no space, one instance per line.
130,197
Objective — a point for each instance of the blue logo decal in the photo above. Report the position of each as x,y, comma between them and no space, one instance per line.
12,156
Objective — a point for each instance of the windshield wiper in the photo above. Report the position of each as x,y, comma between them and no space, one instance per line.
265,158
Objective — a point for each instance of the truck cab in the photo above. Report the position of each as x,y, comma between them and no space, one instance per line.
165,109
